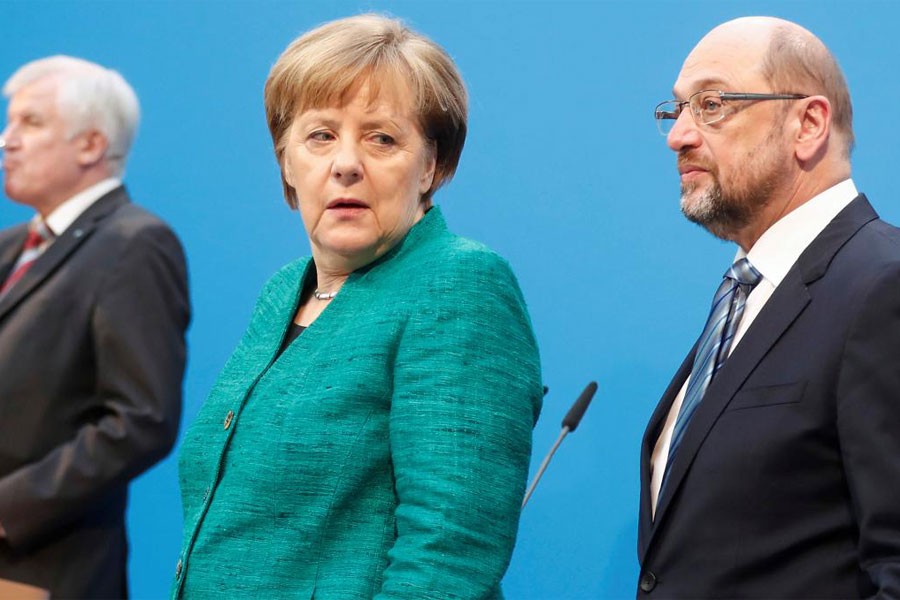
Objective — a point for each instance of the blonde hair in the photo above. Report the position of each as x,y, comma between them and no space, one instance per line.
322,66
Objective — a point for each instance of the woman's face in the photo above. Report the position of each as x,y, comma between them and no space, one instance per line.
359,171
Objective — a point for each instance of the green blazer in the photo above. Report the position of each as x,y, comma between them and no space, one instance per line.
385,452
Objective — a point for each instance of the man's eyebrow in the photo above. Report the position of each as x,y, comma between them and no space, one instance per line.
713,83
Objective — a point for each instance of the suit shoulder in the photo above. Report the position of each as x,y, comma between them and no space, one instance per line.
875,246
13,233
131,218
133,227
889,235
866,261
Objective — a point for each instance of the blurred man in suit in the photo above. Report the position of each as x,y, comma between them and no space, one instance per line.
93,312
771,467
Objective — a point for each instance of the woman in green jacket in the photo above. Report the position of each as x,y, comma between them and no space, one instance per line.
370,436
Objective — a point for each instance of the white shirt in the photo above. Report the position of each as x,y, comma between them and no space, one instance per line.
773,255
65,214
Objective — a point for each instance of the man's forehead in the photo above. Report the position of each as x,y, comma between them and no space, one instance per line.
722,63
35,95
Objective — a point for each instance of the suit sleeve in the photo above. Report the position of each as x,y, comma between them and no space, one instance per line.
869,429
467,392
138,327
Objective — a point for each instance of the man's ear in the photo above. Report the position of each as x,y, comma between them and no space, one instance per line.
92,147
814,116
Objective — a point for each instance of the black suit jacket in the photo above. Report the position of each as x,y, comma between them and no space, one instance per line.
787,481
92,356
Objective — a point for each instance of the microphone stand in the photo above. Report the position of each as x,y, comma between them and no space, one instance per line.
569,423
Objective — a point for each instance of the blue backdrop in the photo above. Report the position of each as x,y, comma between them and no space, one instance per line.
564,173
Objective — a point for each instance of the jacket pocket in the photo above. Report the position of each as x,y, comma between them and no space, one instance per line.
768,395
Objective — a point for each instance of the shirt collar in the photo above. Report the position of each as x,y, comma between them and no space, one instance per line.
776,251
65,214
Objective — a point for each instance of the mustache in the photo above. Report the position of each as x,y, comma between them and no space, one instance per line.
693,158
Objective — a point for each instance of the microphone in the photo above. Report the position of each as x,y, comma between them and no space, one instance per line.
569,423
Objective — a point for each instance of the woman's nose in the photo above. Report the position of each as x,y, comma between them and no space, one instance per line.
347,165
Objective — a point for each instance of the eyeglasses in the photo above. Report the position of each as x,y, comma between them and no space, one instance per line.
709,106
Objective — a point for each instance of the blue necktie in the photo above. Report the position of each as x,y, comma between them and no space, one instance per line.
712,351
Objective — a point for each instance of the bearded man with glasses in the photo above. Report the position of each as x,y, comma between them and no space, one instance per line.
771,466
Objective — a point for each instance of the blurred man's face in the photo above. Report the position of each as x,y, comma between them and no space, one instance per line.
41,166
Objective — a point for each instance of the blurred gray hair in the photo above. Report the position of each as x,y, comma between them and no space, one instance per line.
89,97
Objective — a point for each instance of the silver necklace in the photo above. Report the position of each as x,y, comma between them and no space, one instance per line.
324,295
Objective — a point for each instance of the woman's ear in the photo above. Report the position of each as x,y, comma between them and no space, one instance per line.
427,177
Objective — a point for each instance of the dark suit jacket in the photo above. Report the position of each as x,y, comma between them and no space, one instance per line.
92,355
787,482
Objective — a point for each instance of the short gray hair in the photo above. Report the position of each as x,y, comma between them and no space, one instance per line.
90,97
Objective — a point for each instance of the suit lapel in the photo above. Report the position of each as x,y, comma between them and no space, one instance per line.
780,311
651,435
786,304
10,248
62,248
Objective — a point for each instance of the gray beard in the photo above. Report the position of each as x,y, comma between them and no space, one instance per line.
721,216
724,215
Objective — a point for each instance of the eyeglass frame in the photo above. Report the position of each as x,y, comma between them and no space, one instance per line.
723,96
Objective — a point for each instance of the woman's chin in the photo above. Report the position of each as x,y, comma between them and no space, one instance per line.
354,251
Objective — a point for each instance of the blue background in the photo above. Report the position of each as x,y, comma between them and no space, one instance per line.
564,173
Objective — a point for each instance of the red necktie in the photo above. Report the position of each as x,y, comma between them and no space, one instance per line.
38,234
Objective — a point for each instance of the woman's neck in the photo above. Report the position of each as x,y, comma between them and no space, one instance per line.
327,283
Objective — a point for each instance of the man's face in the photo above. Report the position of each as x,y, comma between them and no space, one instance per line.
41,166
730,170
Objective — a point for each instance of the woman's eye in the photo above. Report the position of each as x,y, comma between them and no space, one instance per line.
383,139
321,136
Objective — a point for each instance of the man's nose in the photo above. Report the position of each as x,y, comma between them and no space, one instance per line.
8,137
684,132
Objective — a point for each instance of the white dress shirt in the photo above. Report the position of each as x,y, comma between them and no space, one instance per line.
66,213
772,255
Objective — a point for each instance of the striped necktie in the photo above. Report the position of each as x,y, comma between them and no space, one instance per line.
35,243
712,351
